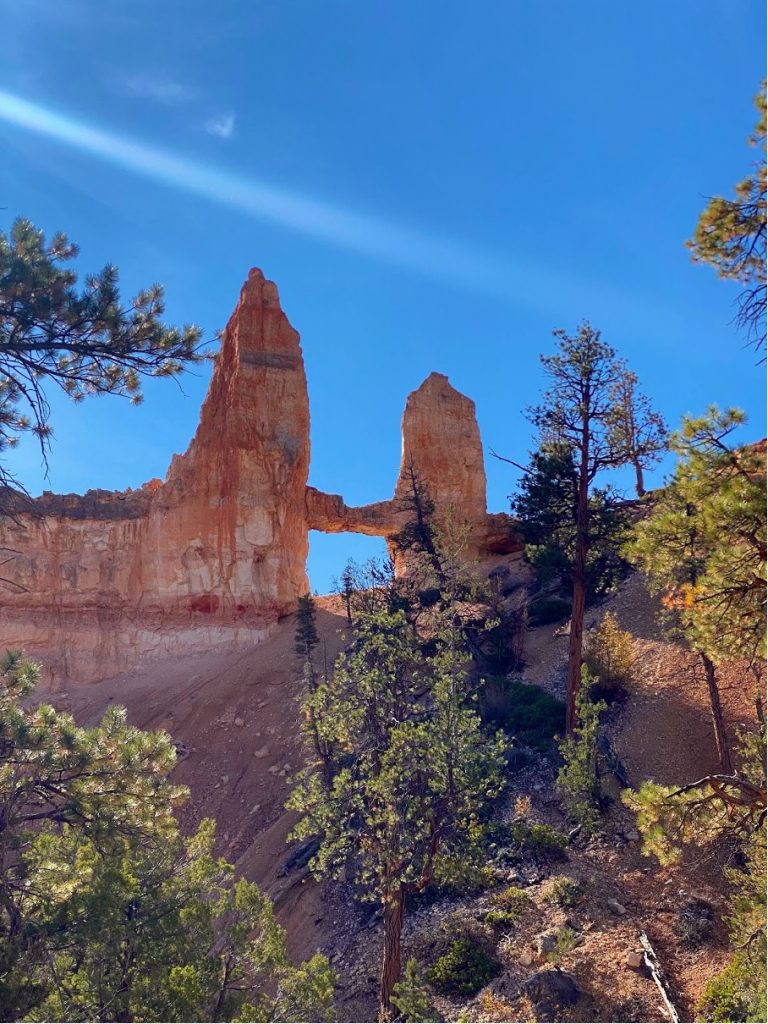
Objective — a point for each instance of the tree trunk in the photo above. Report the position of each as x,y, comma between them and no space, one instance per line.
721,738
391,967
575,645
639,480
576,636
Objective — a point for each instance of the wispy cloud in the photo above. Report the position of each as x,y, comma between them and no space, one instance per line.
222,126
161,88
453,262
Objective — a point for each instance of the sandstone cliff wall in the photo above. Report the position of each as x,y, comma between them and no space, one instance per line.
213,555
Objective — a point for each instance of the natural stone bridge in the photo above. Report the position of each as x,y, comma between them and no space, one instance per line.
213,555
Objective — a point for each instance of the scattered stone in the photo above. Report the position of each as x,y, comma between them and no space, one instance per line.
261,752
526,958
274,769
634,959
239,722
632,836
255,808
616,908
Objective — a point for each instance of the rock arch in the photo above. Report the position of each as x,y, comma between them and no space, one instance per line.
213,555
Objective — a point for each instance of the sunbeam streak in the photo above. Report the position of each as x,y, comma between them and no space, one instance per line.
439,258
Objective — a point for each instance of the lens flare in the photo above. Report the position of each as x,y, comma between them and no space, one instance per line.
440,258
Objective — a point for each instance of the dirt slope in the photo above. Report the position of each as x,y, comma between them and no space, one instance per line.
235,719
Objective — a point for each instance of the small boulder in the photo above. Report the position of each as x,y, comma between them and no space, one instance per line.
551,991
634,959
546,942
300,857
695,922
239,722
616,908
261,752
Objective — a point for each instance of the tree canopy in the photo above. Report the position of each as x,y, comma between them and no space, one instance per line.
412,770
731,237
84,340
106,911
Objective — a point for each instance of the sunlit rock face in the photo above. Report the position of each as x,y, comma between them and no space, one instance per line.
442,459
215,554
210,557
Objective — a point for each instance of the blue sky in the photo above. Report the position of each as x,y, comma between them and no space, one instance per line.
433,186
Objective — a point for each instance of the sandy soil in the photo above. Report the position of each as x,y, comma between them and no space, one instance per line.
235,719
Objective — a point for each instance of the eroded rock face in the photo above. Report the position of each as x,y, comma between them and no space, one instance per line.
208,558
442,453
213,555
442,449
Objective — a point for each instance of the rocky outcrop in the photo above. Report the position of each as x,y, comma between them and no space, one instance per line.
215,554
210,557
443,450
441,453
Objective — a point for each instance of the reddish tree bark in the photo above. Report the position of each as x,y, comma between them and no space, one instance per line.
391,966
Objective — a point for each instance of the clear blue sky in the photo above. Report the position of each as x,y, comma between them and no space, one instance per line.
433,186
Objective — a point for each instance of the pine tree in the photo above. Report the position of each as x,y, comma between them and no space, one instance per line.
719,807
579,412
731,237
639,429
85,342
703,548
412,774
545,504
322,746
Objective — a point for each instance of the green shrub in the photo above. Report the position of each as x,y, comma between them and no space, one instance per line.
508,907
462,875
567,941
530,714
578,780
411,996
463,970
610,655
513,898
737,993
546,610
497,918
540,841
562,891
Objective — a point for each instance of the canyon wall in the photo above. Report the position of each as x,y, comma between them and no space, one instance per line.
213,555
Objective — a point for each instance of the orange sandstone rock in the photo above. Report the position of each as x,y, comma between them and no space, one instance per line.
209,558
212,556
